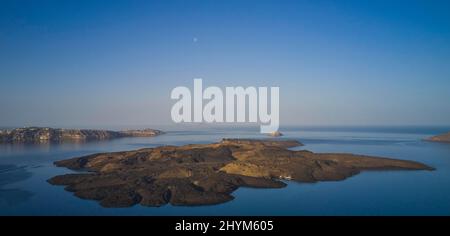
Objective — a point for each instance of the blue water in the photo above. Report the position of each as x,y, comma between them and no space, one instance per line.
24,170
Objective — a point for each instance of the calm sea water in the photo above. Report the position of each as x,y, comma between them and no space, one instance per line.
24,170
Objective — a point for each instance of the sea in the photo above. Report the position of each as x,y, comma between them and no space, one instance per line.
25,169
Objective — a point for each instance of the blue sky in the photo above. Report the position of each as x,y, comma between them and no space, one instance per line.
101,63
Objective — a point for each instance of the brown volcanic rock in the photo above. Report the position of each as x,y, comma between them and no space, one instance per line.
39,134
207,173
445,138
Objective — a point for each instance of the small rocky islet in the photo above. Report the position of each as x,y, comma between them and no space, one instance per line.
205,174
442,138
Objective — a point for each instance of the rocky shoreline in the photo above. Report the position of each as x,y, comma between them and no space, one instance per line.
443,138
206,174
44,134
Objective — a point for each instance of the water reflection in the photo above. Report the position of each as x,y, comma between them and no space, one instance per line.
10,174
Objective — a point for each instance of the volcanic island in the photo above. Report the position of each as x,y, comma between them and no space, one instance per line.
206,174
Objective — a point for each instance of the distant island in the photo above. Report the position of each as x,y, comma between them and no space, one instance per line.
204,174
445,138
276,134
45,134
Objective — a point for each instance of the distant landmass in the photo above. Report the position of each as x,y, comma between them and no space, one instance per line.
445,138
203,174
45,134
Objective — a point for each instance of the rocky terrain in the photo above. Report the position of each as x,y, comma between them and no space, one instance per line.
207,173
445,138
39,134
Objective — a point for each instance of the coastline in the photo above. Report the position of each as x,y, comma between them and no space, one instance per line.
59,135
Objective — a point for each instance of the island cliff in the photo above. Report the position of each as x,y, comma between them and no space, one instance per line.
208,173
40,134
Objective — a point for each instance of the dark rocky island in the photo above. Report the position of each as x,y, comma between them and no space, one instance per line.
41,134
444,138
207,173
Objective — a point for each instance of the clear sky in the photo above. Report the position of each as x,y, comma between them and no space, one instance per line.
99,63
